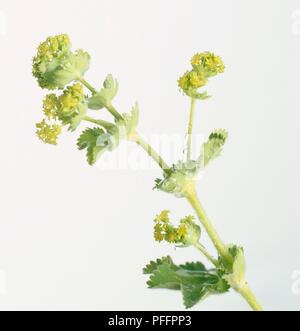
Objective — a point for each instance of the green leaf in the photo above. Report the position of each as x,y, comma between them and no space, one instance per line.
193,266
97,141
153,265
164,277
104,98
192,294
131,120
75,121
199,96
213,147
88,140
193,279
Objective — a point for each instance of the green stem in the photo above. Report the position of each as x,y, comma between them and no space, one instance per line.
104,124
192,198
150,151
109,107
87,85
249,296
114,112
190,129
245,291
207,255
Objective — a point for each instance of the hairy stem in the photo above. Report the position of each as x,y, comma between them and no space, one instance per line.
249,296
104,124
190,128
205,252
192,198
114,112
150,151
87,85
245,291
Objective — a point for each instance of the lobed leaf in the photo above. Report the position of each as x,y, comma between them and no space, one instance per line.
192,279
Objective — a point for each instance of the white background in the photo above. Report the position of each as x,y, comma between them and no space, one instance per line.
77,237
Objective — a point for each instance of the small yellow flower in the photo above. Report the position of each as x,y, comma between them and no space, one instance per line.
181,231
48,133
196,59
158,233
196,79
72,97
50,105
163,217
183,82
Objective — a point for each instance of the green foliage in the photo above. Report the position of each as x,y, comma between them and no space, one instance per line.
104,98
97,141
236,277
212,148
130,121
89,141
192,279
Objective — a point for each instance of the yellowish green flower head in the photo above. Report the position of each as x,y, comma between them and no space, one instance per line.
191,231
71,103
187,233
66,109
204,66
55,65
208,62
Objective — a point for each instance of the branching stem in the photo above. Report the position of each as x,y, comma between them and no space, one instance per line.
190,195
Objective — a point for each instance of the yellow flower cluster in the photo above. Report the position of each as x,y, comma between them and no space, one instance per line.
205,65
59,111
48,133
210,62
187,233
53,46
55,65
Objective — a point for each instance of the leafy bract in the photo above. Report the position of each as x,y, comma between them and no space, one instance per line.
88,140
105,96
193,279
97,141
213,147
179,174
236,278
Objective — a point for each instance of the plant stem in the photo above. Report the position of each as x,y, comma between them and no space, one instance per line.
190,128
104,124
205,252
249,296
114,112
150,151
87,85
245,290
192,198
109,107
